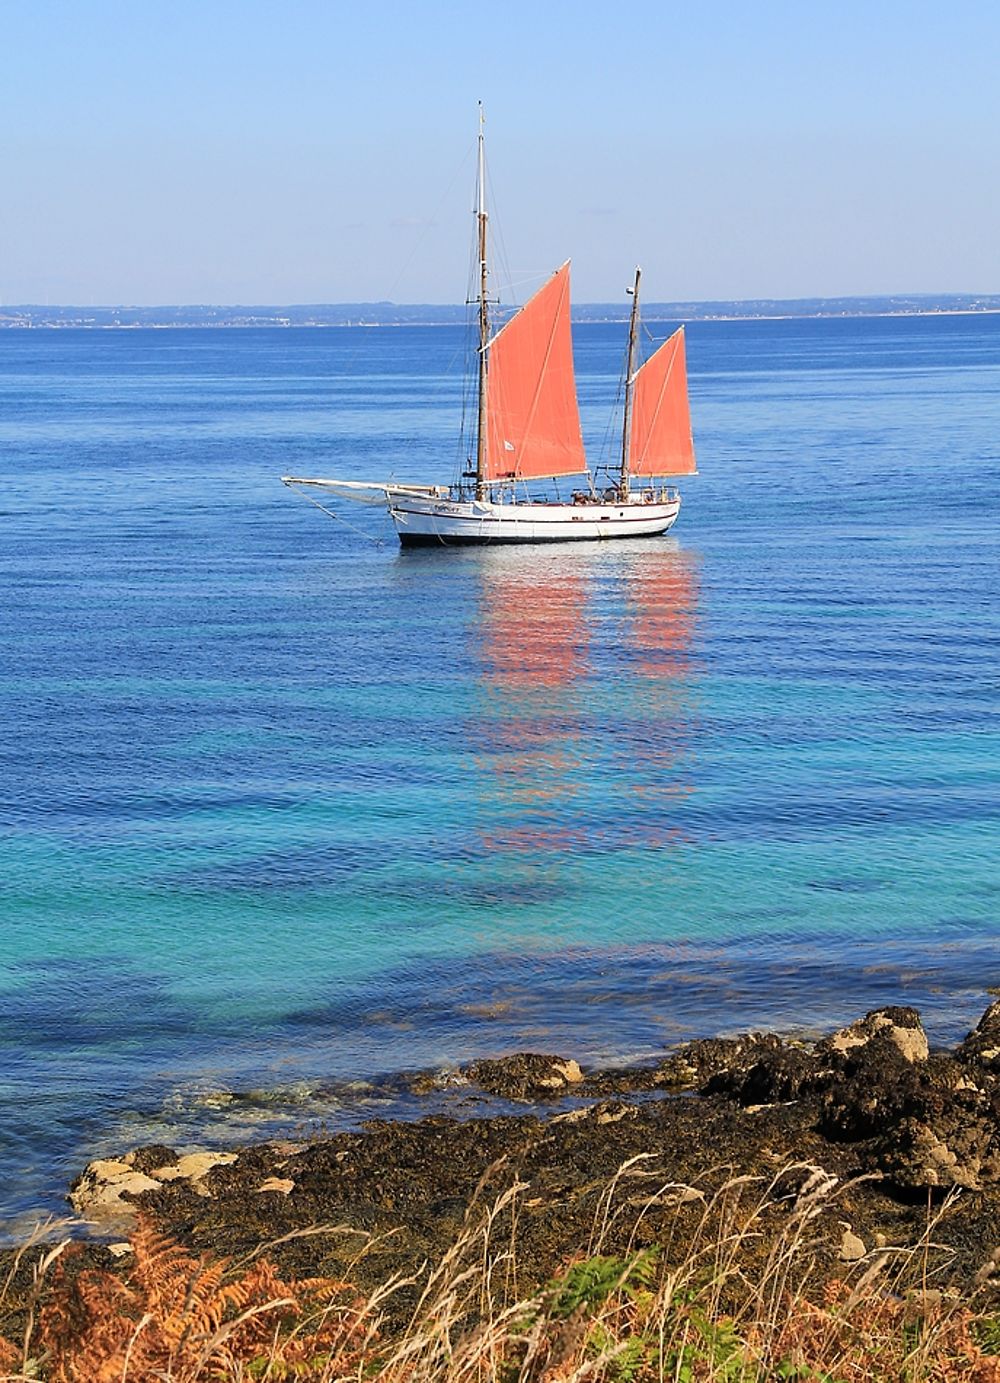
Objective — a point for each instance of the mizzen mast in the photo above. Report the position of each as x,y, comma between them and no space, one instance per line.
484,321
629,384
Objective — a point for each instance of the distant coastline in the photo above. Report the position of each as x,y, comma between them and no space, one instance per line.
387,314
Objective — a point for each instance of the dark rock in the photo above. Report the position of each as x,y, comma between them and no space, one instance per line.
781,1075
929,1125
696,1064
151,1157
982,1046
874,1088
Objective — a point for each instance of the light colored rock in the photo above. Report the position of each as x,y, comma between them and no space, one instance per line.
570,1071
852,1248
121,1250
573,1117
195,1165
910,1042
926,1298
930,1161
563,1073
283,1185
613,1114
106,1168
99,1193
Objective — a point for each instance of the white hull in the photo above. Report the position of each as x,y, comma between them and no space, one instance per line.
429,520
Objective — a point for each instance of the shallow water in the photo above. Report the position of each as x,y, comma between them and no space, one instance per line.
286,807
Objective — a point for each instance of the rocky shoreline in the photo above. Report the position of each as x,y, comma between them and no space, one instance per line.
897,1136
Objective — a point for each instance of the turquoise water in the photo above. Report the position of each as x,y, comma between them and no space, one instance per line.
285,807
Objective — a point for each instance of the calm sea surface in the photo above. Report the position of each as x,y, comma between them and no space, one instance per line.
285,808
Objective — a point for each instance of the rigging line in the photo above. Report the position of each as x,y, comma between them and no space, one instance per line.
613,424
531,277
339,517
610,427
502,259
431,221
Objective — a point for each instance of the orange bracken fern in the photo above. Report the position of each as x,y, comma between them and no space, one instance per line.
179,1315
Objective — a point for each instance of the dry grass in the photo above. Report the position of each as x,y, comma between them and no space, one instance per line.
730,1293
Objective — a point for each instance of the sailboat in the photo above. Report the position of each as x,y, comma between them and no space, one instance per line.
528,430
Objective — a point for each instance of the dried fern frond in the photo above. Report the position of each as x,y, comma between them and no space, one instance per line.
178,1315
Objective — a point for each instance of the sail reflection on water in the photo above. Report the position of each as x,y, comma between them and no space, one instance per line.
585,721
657,762
663,596
534,636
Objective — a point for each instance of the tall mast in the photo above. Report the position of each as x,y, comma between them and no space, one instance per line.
484,322
629,382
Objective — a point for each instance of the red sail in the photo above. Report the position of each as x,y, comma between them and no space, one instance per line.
532,418
660,438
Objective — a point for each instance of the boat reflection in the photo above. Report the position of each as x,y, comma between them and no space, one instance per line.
584,724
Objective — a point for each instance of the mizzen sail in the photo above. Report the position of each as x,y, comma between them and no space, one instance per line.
660,441
532,417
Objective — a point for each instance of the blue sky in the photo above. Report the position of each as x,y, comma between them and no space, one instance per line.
165,151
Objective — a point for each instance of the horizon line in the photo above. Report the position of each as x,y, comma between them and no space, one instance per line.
460,306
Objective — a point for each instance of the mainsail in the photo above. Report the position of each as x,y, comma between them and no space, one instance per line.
660,440
532,417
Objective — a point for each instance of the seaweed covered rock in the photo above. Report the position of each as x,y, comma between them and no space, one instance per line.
925,1156
107,1189
524,1075
982,1046
781,1074
923,1121
928,1124
151,1157
701,1064
873,1096
787,1115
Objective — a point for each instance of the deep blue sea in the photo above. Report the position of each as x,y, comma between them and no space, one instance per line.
286,809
